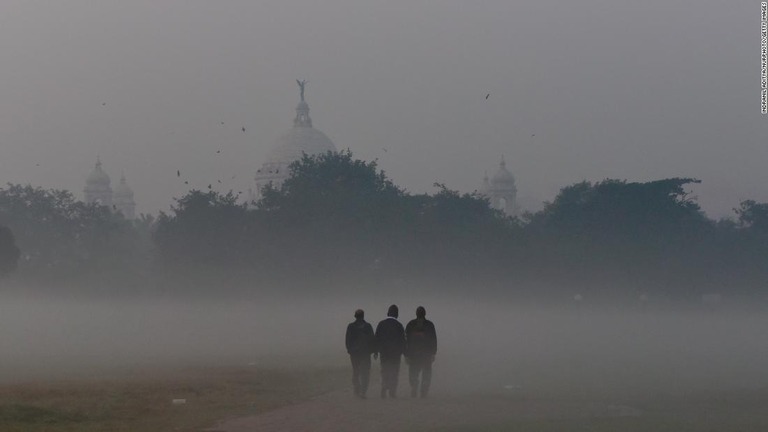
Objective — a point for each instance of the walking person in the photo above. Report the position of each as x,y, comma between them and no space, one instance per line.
390,341
420,350
361,343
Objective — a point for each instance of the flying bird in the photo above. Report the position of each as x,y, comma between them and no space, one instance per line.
222,122
487,96
533,135
103,104
218,181
218,151
243,128
186,182
209,186
178,173
37,164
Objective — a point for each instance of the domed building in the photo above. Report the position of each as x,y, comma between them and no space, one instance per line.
97,186
98,190
122,199
501,190
301,139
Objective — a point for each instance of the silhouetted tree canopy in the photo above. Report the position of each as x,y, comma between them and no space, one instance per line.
340,223
63,237
753,216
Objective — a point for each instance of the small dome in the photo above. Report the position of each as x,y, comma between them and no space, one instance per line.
98,177
123,191
502,175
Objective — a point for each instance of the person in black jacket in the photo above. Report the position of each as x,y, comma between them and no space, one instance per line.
420,350
361,344
390,340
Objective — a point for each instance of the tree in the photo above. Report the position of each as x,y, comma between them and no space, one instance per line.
638,233
333,212
61,236
753,216
9,252
204,228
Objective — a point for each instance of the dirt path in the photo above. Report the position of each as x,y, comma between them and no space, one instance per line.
341,412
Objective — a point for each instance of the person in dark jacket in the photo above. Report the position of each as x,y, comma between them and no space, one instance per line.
420,350
390,341
361,343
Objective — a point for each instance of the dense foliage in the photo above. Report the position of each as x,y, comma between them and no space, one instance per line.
61,238
341,223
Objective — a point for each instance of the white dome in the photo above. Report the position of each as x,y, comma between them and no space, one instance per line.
291,145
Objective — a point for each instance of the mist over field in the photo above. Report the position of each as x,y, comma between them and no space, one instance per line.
484,346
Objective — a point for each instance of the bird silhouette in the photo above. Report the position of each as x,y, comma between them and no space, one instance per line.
222,122
178,173
218,181
277,171
533,135
218,151
487,96
103,104
186,182
37,164
209,186
243,129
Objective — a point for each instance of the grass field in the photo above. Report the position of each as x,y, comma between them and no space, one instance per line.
142,400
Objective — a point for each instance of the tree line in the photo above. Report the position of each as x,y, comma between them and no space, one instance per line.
339,223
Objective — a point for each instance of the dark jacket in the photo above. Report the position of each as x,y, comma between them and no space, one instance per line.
390,338
421,338
360,339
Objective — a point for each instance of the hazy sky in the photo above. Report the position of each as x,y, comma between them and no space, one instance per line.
630,90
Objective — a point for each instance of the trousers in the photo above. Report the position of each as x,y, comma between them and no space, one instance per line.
361,373
420,367
390,371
